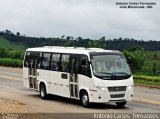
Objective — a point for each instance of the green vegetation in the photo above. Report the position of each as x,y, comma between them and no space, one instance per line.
18,41
14,54
11,58
136,58
4,43
145,66
151,65
150,83
148,80
11,62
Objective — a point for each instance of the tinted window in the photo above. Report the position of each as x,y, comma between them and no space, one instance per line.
85,66
39,61
46,61
27,58
55,62
65,63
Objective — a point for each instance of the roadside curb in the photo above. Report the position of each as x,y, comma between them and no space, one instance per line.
148,86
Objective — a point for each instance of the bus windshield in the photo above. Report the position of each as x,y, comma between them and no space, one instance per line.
110,66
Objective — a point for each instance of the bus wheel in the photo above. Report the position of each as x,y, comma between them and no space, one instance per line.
43,92
84,99
121,104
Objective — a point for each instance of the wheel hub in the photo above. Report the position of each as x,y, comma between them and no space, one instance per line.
85,99
42,92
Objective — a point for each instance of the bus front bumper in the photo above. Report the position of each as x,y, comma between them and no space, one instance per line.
105,95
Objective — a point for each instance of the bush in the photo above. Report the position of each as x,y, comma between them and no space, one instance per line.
137,59
147,78
3,53
11,62
15,54
18,54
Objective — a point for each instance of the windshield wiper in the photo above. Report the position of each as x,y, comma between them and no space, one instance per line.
104,73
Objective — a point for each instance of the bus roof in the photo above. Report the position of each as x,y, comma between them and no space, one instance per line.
72,50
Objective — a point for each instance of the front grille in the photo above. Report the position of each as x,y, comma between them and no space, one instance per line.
117,88
117,95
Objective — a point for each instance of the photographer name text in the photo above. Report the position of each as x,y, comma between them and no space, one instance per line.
135,4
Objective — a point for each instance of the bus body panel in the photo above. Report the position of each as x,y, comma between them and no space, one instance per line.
25,77
43,77
64,85
85,83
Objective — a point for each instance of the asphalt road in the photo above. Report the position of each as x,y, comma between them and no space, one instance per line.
11,87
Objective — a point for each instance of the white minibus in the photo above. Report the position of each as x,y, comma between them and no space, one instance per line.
91,75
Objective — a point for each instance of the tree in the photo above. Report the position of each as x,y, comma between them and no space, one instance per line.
96,43
18,34
69,37
103,38
155,56
136,47
154,68
137,59
63,36
8,32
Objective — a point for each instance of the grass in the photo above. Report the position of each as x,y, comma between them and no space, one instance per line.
11,62
11,45
147,80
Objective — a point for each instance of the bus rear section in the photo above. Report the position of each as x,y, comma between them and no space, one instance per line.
81,74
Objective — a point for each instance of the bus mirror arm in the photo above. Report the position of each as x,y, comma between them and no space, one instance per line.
88,62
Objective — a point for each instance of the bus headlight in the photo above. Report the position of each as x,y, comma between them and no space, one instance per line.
130,87
101,88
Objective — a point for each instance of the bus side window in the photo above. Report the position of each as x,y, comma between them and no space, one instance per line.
27,59
55,62
65,62
39,61
46,61
85,67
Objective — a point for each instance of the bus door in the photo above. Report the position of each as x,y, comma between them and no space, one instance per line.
73,79
33,70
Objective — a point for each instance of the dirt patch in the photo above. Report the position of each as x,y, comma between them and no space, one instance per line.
11,106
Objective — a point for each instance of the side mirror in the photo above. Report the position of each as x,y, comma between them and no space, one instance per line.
85,68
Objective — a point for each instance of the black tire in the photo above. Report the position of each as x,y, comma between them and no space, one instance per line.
84,99
121,104
42,92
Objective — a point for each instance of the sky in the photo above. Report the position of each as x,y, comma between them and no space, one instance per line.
80,18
